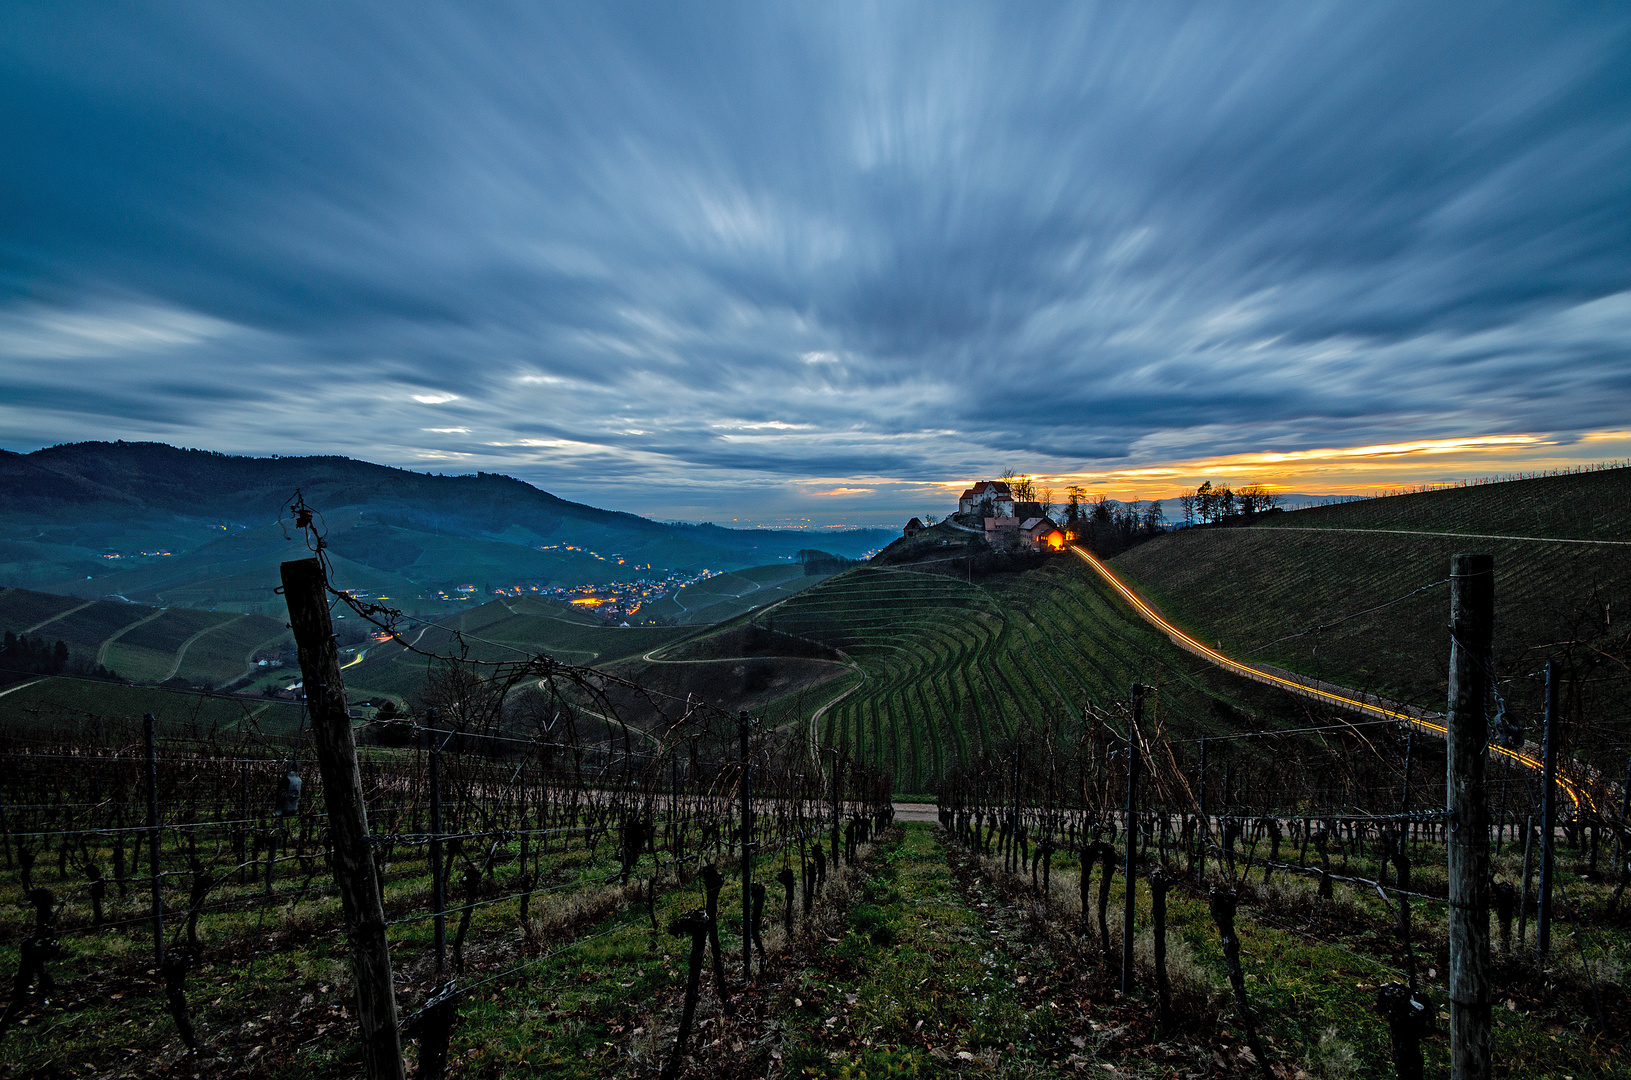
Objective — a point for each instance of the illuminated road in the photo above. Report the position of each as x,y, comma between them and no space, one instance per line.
1350,700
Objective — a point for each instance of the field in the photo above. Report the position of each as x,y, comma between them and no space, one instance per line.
947,671
146,644
968,948
1322,593
1582,506
503,630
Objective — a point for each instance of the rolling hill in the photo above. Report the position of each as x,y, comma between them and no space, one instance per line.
156,524
1356,593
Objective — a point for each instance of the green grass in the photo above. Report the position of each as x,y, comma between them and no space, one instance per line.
953,670
1262,593
61,707
23,608
1591,505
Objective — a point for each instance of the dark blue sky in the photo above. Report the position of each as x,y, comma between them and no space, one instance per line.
763,261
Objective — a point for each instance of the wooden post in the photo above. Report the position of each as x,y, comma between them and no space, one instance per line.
1472,614
837,805
1205,830
153,840
1548,815
305,587
1129,875
744,723
1404,796
438,883
1013,822
1523,897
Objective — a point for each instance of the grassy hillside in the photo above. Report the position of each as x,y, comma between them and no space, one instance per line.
948,669
498,631
1302,599
157,524
1579,506
61,708
142,643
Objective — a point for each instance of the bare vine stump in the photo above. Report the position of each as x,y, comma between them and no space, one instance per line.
174,969
712,882
472,889
1506,906
99,890
758,922
699,924
785,880
1107,852
34,954
1090,853
201,886
432,1028
1222,903
1159,884
1409,1020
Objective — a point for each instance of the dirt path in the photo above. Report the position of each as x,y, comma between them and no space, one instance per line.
59,615
102,652
181,650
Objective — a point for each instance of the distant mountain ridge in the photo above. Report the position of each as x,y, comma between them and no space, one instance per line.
74,514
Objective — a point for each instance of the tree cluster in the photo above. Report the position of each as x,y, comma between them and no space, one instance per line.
33,656
1207,505
1107,527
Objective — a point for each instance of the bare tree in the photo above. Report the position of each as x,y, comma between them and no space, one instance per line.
1255,498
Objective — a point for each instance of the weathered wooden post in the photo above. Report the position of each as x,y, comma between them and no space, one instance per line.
1205,829
1523,895
305,587
438,871
1472,615
1548,816
1130,875
744,723
148,722
837,806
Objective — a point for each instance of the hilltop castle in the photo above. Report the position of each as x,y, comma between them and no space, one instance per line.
1008,523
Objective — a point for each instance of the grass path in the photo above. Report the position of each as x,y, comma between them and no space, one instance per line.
918,985
181,650
102,653
58,615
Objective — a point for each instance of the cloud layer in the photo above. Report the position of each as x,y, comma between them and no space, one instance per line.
757,261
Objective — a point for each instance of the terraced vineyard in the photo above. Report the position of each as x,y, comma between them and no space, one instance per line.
950,669
145,644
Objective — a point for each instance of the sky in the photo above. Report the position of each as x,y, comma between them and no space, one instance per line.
824,263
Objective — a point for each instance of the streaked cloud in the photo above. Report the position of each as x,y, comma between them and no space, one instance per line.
710,260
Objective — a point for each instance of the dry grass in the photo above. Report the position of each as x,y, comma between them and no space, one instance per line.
559,915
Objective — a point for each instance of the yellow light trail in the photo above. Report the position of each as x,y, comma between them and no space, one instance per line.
1188,643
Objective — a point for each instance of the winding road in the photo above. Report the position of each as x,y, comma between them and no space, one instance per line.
1353,700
